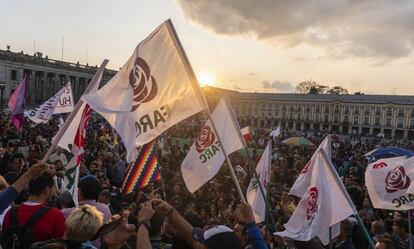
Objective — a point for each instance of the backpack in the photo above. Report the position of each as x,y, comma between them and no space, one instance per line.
20,236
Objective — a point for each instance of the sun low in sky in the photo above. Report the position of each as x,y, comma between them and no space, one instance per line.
206,79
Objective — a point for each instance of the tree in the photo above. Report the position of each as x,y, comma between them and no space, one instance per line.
305,86
337,90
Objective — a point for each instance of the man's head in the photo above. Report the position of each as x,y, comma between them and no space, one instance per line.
16,162
346,229
42,188
377,227
385,242
217,237
94,167
400,226
89,188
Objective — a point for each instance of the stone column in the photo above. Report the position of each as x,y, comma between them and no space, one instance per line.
359,130
341,129
350,129
302,126
405,134
393,133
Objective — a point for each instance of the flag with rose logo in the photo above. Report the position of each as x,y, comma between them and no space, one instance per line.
154,90
322,206
390,183
206,156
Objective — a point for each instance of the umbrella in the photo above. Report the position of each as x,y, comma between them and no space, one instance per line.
388,152
299,141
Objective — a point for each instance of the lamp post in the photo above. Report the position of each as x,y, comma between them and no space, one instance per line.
2,87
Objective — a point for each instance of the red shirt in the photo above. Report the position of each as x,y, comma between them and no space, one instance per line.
50,226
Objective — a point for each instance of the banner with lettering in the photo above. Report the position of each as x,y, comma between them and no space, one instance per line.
206,156
66,101
44,112
390,183
153,91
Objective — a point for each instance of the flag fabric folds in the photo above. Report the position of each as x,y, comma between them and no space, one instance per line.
247,134
323,205
302,183
71,177
154,90
44,112
275,133
143,171
390,183
16,104
66,102
206,156
254,196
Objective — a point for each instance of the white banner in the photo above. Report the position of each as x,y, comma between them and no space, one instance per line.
66,102
253,194
152,92
390,183
44,112
206,156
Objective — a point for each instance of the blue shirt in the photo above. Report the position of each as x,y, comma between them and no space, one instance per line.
254,237
7,197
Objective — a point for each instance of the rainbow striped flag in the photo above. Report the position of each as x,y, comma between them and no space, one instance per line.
144,170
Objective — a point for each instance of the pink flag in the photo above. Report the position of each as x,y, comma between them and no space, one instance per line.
16,104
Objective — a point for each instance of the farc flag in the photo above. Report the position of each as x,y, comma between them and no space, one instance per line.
253,194
390,183
324,204
44,112
206,156
302,183
155,89
16,104
143,171
71,178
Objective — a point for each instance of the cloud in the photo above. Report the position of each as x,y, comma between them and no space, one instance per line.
278,86
374,29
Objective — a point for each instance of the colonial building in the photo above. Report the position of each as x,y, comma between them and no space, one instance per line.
47,76
390,115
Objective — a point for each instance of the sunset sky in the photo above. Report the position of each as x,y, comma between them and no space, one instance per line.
246,45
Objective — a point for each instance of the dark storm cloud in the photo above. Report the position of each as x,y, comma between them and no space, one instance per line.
343,28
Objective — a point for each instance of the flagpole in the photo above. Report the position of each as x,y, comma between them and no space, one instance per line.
202,100
410,241
330,238
95,80
345,193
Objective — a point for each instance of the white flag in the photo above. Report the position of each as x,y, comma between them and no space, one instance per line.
66,101
254,195
153,91
275,133
390,183
323,205
44,112
205,157
302,183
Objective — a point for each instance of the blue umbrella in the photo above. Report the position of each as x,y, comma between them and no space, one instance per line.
388,152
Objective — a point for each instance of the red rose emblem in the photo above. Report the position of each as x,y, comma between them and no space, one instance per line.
204,139
396,180
312,203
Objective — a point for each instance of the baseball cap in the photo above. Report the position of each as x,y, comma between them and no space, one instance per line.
217,237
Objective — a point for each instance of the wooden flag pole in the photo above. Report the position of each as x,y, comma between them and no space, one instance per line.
95,80
202,100
345,193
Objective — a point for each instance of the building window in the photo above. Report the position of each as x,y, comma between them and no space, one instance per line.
356,110
336,109
388,122
336,119
389,111
284,108
13,75
346,111
356,120
400,112
317,118
276,114
366,120
307,117
307,108
326,109
326,119
412,123
400,123
367,110
346,119
377,111
377,121
317,108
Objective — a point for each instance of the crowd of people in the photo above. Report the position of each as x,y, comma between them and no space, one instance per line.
36,211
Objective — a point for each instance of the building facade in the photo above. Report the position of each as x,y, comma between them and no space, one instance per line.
390,115
47,76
